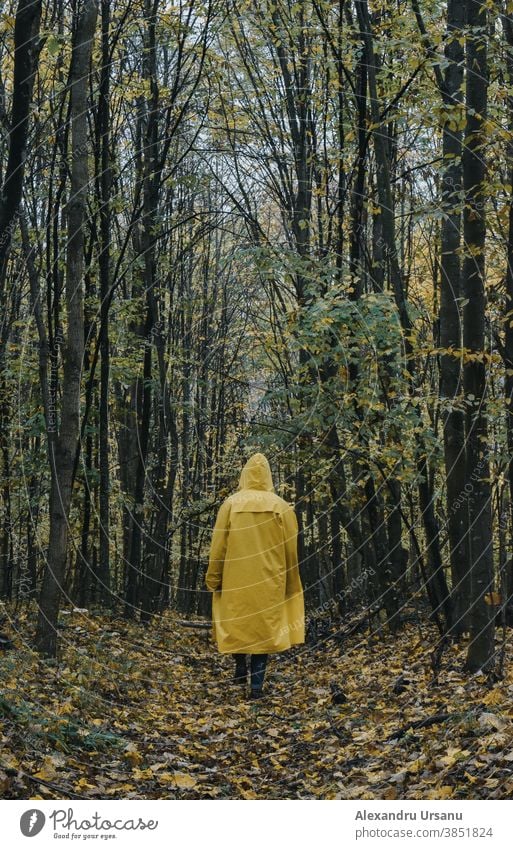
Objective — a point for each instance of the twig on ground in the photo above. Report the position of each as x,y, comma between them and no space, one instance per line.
62,791
420,723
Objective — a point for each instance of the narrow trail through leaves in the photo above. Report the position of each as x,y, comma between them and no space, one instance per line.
151,713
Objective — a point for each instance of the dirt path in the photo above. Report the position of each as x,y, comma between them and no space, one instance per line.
150,713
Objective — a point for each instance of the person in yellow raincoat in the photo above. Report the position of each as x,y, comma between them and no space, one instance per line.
258,603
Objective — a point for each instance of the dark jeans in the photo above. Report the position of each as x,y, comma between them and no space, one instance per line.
258,664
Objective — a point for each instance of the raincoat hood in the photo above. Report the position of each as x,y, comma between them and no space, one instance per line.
256,474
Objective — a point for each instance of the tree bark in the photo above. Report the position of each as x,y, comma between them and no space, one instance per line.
507,24
63,448
450,322
105,283
26,53
477,472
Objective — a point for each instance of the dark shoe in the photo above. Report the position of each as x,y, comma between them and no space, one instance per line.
256,694
258,666
239,680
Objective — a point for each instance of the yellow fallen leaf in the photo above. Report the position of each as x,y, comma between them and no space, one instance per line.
64,708
47,771
494,697
454,755
83,784
132,755
181,779
444,792
249,794
9,760
178,779
141,773
416,765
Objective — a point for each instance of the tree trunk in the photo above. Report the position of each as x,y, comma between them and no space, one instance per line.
507,24
477,472
450,324
391,264
62,450
26,54
105,282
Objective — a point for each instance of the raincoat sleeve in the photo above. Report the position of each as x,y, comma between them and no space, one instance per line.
290,528
214,576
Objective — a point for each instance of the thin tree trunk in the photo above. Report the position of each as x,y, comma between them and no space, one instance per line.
150,191
450,324
507,24
26,54
63,448
477,472
450,86
105,282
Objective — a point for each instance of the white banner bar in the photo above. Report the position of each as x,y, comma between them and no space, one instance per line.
214,824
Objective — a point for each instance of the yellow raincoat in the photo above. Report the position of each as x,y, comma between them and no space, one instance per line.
257,604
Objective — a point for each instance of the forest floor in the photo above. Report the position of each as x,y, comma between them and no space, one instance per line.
149,713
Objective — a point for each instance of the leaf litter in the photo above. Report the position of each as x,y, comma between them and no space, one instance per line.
150,713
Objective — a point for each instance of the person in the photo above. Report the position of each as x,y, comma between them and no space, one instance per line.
257,602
